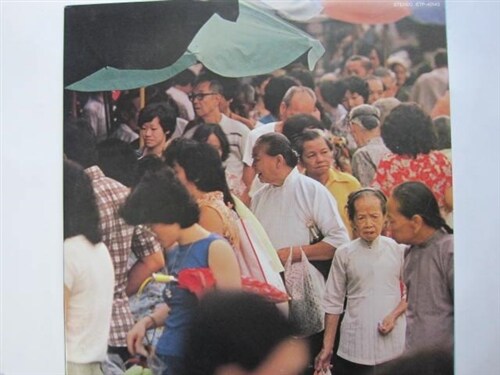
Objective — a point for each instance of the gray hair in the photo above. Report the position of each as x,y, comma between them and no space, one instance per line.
385,106
287,98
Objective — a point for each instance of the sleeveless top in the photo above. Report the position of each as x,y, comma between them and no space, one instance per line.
215,200
182,302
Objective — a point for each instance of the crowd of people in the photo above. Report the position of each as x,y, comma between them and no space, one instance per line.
352,169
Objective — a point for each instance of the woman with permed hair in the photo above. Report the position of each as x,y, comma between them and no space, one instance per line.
161,202
409,134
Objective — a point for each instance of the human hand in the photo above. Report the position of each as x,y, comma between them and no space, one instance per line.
386,326
322,362
135,339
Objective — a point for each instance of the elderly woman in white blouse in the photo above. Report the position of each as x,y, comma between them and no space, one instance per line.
368,272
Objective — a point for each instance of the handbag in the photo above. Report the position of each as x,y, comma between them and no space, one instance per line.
306,287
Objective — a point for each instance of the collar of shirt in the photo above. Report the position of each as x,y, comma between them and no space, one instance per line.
292,176
336,176
94,172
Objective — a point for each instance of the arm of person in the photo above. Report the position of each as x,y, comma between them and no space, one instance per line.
389,321
149,253
143,269
136,335
318,251
224,266
323,359
448,199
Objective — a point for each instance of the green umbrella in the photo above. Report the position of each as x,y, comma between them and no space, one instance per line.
258,42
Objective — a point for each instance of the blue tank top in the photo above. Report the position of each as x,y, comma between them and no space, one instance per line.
182,302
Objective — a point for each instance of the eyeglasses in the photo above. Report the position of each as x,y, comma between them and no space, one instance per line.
200,96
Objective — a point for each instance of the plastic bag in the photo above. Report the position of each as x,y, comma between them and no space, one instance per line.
306,287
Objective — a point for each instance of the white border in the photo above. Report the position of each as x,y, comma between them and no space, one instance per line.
31,319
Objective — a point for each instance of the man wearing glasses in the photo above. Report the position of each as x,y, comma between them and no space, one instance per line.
206,98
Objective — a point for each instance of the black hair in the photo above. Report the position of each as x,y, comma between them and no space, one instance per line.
145,164
203,131
332,92
304,76
355,195
415,198
442,126
306,136
184,78
117,160
166,111
275,91
275,144
160,198
441,58
234,328
81,214
296,124
408,130
357,85
80,142
202,165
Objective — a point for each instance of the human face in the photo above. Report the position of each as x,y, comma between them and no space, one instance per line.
402,229
301,103
400,72
376,88
166,234
374,59
214,141
205,101
352,99
317,158
356,68
153,134
265,165
368,217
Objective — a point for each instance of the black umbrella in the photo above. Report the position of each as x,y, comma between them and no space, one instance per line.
144,35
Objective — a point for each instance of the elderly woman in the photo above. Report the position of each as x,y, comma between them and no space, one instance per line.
162,202
316,157
409,133
365,128
366,271
414,219
88,276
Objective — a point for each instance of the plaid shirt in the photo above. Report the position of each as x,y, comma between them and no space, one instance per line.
120,238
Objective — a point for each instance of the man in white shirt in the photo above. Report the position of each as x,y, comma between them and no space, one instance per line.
297,100
206,98
291,203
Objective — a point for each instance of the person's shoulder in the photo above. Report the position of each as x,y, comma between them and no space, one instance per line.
234,124
345,177
263,129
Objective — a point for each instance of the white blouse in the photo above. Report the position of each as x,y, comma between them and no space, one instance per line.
369,276
285,212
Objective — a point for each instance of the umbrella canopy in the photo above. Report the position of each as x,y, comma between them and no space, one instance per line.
143,35
381,12
258,42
